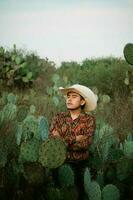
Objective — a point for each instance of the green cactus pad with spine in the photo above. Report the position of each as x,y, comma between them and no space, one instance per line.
52,153
94,191
43,128
66,176
110,192
53,194
128,149
22,113
87,180
128,53
29,151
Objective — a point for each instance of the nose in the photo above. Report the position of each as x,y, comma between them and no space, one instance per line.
69,99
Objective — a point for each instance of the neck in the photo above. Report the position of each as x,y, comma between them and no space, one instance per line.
75,113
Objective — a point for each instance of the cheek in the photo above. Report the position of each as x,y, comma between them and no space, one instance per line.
77,102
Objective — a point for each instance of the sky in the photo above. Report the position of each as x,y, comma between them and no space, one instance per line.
67,30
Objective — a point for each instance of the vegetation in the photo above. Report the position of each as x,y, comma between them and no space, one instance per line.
29,98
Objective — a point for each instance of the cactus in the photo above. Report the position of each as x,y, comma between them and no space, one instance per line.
53,194
66,176
11,98
100,178
2,51
105,98
29,151
115,154
87,180
19,134
30,128
33,173
128,149
43,128
110,192
123,169
3,154
94,191
128,53
18,60
52,153
69,193
22,113
9,112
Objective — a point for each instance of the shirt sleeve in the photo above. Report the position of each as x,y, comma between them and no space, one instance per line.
89,132
54,130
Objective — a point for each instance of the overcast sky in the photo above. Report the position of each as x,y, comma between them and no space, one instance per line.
66,30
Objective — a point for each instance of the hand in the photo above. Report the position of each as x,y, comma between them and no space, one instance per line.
80,138
56,133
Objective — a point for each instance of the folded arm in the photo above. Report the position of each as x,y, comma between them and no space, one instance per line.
83,141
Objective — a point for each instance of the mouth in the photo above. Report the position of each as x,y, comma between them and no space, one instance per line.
69,104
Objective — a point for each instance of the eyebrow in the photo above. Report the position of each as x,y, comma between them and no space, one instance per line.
72,95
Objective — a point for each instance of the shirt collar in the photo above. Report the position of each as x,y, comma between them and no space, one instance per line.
82,113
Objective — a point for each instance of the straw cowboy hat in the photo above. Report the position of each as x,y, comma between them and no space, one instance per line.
89,97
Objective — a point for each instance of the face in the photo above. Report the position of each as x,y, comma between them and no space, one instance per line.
74,101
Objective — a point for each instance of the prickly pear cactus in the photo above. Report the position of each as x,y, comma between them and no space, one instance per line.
87,180
22,113
100,178
123,169
3,154
8,112
128,149
43,128
7,141
128,53
53,194
34,173
110,192
30,128
94,191
52,153
66,176
29,151
69,193
11,98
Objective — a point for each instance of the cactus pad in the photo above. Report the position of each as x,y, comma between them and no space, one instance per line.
52,153
66,176
29,151
110,192
128,53
94,191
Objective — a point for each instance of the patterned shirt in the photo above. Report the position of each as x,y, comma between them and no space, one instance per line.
68,129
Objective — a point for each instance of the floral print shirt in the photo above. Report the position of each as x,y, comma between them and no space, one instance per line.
67,129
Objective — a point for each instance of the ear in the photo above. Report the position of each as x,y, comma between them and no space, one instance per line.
82,102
